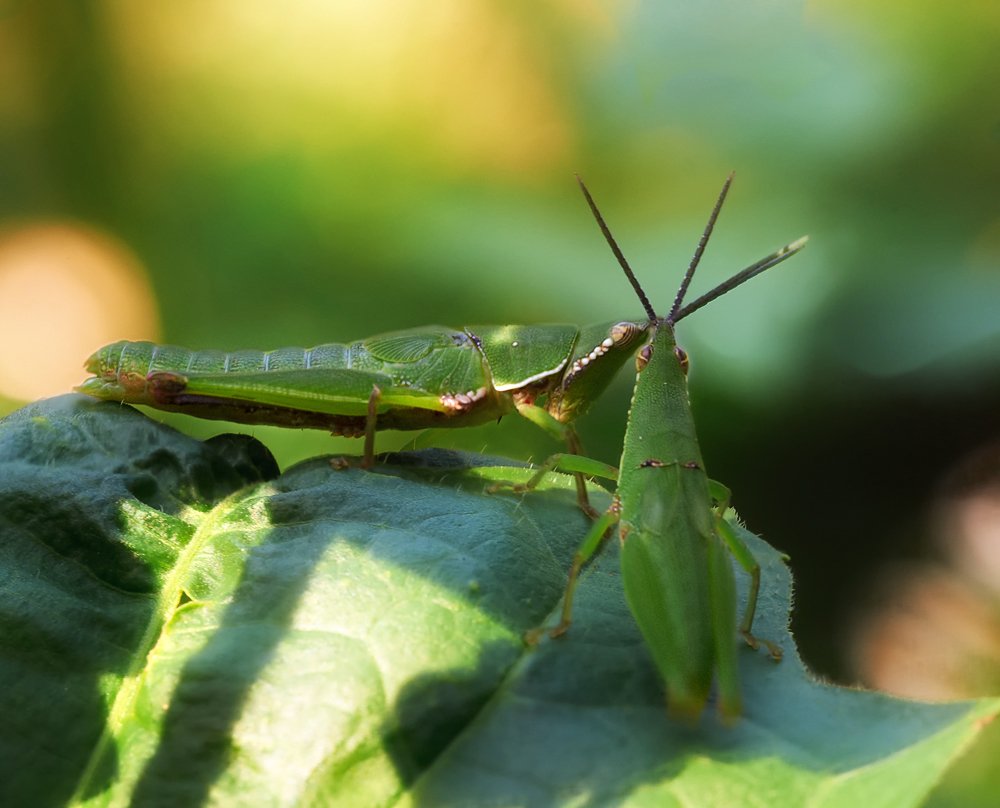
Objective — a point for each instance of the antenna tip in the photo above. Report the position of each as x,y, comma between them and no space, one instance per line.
795,246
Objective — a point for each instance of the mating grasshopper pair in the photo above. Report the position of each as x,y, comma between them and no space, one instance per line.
678,578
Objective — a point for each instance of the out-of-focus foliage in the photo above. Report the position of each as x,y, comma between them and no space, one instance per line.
291,175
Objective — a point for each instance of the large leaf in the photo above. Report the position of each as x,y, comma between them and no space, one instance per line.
182,626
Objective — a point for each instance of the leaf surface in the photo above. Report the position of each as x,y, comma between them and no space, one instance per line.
181,625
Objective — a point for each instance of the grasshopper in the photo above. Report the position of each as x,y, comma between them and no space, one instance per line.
670,516
678,579
427,377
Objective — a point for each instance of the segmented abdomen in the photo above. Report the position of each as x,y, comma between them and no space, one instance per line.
121,370
143,358
147,357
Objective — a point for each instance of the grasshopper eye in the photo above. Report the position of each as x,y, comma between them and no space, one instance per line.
622,333
642,358
682,357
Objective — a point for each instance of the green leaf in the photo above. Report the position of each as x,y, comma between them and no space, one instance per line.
179,625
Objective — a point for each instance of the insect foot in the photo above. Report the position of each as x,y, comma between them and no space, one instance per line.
756,642
534,636
455,403
514,488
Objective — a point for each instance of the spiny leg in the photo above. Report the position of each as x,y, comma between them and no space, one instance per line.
590,545
582,499
562,461
563,432
565,462
368,459
737,547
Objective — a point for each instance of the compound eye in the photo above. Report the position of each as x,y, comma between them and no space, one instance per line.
622,333
642,358
682,357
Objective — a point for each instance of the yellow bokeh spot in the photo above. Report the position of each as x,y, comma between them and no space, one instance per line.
65,291
459,82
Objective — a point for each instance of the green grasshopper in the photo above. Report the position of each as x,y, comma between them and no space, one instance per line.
678,579
421,378
678,582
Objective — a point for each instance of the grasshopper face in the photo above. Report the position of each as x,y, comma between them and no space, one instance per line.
599,353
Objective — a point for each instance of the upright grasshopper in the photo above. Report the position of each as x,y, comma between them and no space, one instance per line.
670,516
678,579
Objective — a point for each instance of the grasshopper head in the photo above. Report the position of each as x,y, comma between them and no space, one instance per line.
599,352
646,352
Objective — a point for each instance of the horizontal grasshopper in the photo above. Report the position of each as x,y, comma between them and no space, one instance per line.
678,581
421,378
417,379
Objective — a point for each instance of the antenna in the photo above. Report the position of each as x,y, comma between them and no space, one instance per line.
700,249
618,253
741,277
678,312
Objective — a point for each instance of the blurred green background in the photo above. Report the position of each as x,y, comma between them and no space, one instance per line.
239,174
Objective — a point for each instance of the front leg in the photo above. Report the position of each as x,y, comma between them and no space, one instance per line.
581,467
592,542
562,461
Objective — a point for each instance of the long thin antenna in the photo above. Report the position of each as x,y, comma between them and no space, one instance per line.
696,258
741,277
617,251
